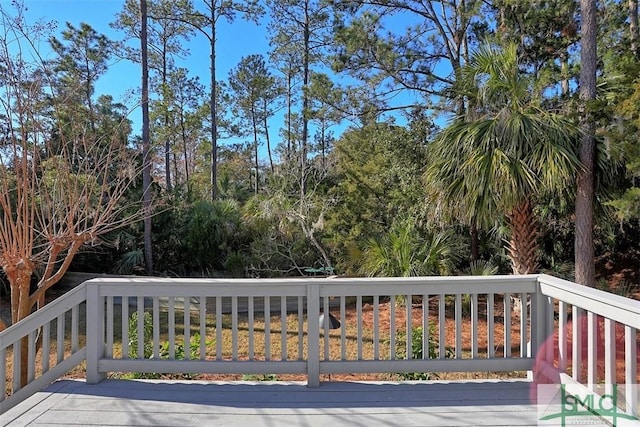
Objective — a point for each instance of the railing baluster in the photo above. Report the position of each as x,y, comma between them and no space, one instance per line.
109,327
474,325
458,321
631,369
186,331
507,325
441,326
203,328
425,327
283,332
491,352
234,327
17,366
359,315
31,355
171,326
592,352
609,355
60,337
325,326
251,309
156,327
267,328
343,329
576,336
75,329
376,327
300,328
562,336
524,313
392,328
219,328
409,321
550,322
140,337
125,326
46,348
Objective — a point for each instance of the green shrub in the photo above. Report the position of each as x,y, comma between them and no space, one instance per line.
416,353
179,350
255,377
133,335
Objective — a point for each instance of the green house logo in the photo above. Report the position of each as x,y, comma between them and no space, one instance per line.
583,408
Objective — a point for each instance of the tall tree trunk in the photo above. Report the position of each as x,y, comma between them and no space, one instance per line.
185,151
167,141
305,101
564,71
255,148
268,140
289,107
633,26
214,109
146,145
584,248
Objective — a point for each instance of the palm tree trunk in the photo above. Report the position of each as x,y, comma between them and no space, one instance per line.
523,242
475,241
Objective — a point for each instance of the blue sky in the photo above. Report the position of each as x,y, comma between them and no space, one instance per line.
235,40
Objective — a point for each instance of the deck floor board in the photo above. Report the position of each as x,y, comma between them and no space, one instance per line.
258,404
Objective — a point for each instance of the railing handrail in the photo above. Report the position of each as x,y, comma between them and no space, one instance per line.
612,306
47,313
135,286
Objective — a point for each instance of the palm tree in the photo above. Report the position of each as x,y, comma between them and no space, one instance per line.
503,152
403,252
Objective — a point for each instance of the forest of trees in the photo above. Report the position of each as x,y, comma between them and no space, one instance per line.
413,138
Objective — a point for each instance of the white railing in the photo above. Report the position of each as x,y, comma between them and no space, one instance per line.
592,340
53,338
277,322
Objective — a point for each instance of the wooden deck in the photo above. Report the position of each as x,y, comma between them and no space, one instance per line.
333,404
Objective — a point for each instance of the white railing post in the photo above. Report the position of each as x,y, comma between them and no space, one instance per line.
313,335
631,367
538,325
95,332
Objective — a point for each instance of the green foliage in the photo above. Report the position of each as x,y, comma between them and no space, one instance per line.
255,377
287,226
407,251
180,352
482,268
417,353
147,335
377,177
147,342
202,238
